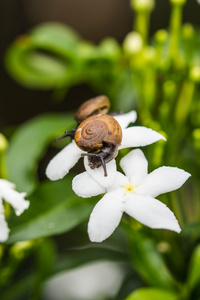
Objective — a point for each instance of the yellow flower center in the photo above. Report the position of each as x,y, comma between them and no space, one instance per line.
129,188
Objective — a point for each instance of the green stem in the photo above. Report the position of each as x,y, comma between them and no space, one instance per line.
3,147
3,173
175,26
184,102
143,9
142,25
177,207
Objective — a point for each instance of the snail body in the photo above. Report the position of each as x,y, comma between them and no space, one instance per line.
97,133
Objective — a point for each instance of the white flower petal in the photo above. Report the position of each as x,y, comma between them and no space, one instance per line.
125,119
106,216
162,180
151,212
137,136
60,164
121,180
85,186
15,199
6,184
4,230
98,173
135,166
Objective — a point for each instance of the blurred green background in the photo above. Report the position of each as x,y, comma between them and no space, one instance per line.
92,19
159,96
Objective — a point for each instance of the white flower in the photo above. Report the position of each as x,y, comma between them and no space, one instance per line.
95,280
134,136
15,199
133,194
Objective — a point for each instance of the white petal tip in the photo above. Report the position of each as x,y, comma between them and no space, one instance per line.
133,115
26,204
188,174
64,160
95,240
78,189
54,175
159,136
4,234
185,175
3,239
176,228
85,186
96,237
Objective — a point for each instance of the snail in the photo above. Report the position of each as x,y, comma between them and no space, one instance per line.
97,133
100,136
94,106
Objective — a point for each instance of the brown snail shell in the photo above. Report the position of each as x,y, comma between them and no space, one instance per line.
94,106
96,130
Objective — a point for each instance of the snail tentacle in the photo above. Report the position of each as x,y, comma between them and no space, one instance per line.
67,133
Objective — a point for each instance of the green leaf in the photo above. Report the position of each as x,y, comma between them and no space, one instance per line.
45,58
194,269
28,145
53,210
149,262
152,294
57,36
45,257
21,289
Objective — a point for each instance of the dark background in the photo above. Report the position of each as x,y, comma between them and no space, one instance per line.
92,19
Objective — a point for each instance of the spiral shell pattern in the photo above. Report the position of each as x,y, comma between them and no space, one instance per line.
94,131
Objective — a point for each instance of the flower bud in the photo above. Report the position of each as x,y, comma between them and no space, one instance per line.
19,249
3,143
109,48
194,73
133,43
178,2
188,31
143,5
161,36
149,54
164,247
86,50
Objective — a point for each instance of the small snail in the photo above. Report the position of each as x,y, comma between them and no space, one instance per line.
97,133
94,106
100,136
